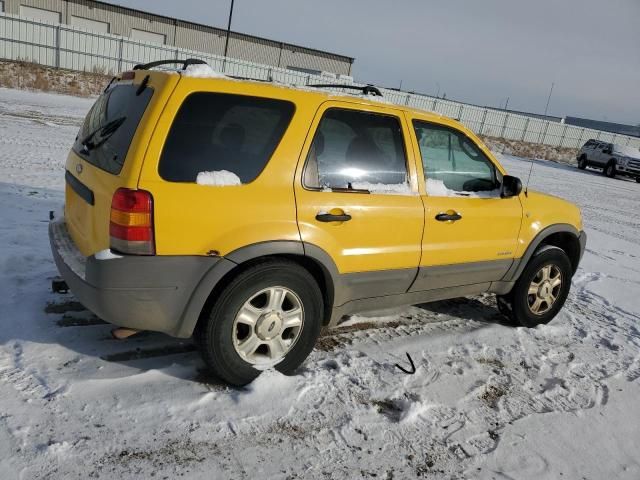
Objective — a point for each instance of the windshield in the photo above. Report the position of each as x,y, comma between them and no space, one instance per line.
108,129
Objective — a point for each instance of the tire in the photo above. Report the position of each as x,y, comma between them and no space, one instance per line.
518,306
221,332
637,179
610,169
582,162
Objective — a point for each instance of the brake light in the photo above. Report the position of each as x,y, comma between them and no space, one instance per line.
131,223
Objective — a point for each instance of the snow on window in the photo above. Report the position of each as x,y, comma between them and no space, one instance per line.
437,188
219,178
384,188
201,71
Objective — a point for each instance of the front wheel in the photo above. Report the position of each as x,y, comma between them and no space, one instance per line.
541,290
610,169
269,316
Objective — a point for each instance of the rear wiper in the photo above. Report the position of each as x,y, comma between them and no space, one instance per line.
104,132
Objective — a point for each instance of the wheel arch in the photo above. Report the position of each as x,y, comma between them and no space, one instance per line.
309,257
564,236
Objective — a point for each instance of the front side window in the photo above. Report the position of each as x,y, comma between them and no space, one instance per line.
223,136
356,150
453,163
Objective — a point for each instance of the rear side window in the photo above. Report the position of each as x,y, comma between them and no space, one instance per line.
110,125
356,150
215,132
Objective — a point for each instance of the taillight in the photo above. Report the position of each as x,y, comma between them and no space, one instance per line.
131,225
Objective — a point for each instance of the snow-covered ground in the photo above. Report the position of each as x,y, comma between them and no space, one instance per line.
487,401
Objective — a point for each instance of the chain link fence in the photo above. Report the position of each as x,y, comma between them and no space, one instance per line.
73,48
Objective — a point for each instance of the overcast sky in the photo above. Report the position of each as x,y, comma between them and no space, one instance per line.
475,51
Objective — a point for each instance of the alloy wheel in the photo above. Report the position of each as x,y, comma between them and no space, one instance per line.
544,289
267,326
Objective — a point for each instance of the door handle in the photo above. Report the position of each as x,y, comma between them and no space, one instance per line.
329,217
448,217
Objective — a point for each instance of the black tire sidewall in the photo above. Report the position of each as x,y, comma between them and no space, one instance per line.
582,163
547,256
612,173
216,338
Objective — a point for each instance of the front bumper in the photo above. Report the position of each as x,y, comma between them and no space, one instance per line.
141,292
582,238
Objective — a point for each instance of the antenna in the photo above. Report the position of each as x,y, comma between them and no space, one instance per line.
526,188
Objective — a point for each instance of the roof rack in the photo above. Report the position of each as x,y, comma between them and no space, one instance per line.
365,89
252,79
185,63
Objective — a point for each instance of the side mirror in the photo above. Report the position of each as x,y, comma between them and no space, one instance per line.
511,186
607,151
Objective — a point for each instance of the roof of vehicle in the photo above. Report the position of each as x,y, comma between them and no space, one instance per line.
199,72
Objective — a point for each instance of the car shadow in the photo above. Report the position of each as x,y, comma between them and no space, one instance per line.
482,310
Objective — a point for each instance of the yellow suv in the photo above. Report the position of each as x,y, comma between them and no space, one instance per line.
250,214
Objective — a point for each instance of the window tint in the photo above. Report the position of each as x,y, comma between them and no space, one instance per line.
215,131
450,157
109,127
353,150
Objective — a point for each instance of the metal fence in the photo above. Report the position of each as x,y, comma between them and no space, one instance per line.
73,48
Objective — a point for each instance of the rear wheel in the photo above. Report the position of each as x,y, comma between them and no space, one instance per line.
541,290
582,162
268,316
610,169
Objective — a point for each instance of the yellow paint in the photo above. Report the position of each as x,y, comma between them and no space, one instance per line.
89,225
386,231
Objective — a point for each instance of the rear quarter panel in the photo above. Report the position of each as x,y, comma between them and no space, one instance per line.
192,219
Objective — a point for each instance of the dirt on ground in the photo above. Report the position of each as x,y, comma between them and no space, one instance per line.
531,150
30,76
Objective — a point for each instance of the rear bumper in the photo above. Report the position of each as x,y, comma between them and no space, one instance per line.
142,292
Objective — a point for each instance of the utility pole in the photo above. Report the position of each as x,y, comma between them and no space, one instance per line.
226,43
506,104
548,99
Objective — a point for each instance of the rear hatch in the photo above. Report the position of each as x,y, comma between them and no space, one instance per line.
108,152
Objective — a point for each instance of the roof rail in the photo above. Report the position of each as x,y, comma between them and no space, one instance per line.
252,79
185,63
365,89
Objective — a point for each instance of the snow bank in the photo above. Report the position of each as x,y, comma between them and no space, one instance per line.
437,188
218,178
385,189
201,71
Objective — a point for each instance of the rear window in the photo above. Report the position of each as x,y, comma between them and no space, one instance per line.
108,129
215,132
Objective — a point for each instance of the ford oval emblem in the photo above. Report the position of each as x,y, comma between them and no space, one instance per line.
79,168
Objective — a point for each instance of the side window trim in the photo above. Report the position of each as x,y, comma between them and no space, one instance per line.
320,115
